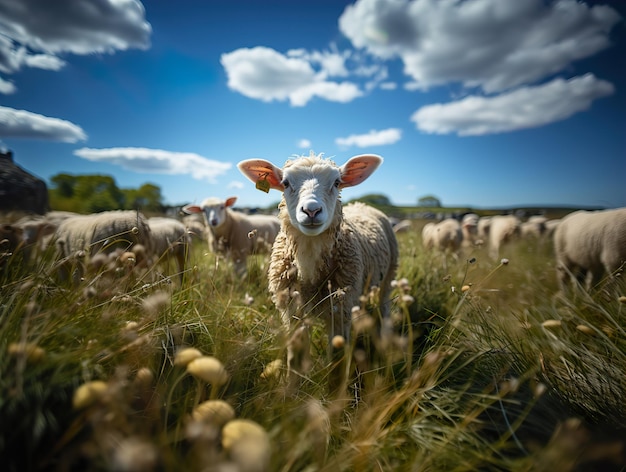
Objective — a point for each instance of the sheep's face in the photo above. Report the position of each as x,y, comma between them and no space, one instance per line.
310,185
311,195
214,210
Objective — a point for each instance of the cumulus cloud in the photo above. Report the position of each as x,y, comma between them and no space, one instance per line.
24,124
36,33
525,107
305,144
158,161
373,138
265,74
490,44
7,87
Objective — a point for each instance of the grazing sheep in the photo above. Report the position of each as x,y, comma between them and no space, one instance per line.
483,227
171,240
234,233
102,232
326,255
502,230
551,226
447,235
534,227
590,243
195,227
469,228
428,235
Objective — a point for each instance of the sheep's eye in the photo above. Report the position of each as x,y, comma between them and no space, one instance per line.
285,183
337,183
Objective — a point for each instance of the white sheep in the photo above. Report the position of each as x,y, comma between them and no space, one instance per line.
171,240
469,228
483,227
534,227
590,243
446,235
428,235
103,232
236,234
326,255
503,229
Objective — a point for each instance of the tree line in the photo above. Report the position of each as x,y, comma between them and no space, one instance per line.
96,193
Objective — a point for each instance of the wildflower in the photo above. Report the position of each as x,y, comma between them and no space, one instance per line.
248,299
144,376
407,299
30,351
88,394
209,369
504,261
135,454
247,444
216,412
156,302
338,342
272,370
186,355
551,324
585,329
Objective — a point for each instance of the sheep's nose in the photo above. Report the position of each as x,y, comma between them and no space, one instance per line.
311,212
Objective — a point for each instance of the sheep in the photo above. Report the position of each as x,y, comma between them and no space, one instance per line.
502,230
428,235
590,243
448,235
534,227
483,227
195,227
171,240
326,255
469,228
234,233
88,235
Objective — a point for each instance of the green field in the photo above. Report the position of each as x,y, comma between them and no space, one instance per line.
484,365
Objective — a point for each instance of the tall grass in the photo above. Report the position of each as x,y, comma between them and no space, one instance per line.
483,365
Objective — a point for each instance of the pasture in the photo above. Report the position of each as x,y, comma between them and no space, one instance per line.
483,365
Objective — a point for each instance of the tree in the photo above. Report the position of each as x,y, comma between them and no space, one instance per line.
96,193
375,199
429,201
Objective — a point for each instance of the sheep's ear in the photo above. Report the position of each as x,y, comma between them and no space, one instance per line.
189,209
358,168
258,170
230,201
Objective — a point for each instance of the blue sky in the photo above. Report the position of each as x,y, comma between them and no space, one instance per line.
479,102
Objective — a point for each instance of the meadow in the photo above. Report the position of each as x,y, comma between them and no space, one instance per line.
483,365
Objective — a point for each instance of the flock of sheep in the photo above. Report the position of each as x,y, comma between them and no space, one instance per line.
323,255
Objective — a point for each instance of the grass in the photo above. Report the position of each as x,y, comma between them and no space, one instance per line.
485,365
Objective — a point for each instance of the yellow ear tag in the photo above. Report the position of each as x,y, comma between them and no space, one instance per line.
263,185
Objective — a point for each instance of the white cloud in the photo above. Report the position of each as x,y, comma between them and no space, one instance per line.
526,107
373,138
35,33
492,44
265,74
305,144
24,124
7,87
236,184
157,161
